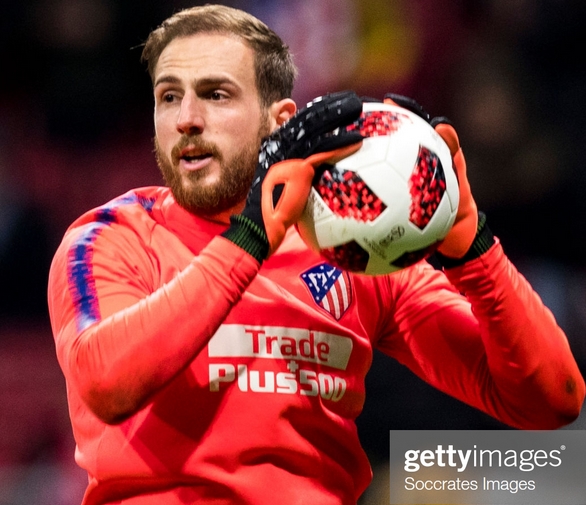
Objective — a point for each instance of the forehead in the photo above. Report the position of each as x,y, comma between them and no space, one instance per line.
205,54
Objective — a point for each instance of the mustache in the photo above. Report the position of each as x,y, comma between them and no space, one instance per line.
196,142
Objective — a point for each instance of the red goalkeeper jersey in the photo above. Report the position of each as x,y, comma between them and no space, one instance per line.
264,366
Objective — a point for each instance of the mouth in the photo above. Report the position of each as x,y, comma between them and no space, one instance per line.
192,158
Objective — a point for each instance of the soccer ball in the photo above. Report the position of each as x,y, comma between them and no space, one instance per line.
388,205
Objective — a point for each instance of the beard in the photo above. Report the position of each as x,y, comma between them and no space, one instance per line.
232,186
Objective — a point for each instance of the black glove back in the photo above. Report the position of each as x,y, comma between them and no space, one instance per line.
313,128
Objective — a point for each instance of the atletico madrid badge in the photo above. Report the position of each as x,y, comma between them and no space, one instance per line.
330,288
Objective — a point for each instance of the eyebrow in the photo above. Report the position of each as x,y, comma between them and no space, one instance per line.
166,79
205,82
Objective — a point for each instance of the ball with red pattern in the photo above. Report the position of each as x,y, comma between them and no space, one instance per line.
347,195
388,205
427,186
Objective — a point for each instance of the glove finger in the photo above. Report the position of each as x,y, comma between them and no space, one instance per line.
334,141
329,112
447,132
440,120
333,156
321,161
291,179
462,234
322,119
407,103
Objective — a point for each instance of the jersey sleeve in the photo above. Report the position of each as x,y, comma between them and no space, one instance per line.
486,338
119,336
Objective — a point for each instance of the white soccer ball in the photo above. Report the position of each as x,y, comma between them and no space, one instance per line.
389,204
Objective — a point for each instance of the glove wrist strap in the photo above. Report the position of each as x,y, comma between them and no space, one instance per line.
483,241
248,235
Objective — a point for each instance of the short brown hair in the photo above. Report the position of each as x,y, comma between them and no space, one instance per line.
275,71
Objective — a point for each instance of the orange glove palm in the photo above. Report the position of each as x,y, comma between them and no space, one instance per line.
460,237
462,234
296,177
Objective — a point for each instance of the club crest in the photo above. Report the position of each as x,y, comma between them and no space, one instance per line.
330,288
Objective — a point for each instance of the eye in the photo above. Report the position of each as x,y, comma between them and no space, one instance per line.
217,95
167,97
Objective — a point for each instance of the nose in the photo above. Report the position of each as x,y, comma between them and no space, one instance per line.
191,115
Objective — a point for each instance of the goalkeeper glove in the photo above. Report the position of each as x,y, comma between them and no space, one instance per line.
287,164
469,236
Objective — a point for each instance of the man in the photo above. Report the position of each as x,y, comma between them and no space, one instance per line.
199,367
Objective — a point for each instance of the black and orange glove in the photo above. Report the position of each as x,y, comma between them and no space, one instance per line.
287,164
469,236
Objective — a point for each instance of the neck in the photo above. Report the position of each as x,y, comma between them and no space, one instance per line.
224,217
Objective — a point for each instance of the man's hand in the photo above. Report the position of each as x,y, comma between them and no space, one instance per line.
463,232
287,164
460,237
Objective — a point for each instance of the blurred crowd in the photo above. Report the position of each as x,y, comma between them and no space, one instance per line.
76,130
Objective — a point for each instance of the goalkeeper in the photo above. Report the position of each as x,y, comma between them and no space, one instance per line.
210,357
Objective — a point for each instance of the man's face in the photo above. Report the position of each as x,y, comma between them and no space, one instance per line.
208,122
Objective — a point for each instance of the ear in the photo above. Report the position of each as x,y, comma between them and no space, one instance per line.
280,112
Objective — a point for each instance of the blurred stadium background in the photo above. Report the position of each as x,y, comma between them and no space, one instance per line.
76,130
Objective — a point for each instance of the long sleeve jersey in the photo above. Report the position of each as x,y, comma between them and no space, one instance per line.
244,381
